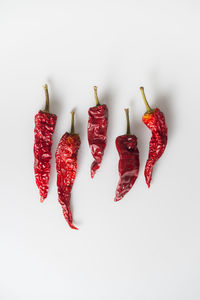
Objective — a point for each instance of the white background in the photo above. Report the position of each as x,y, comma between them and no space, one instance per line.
147,245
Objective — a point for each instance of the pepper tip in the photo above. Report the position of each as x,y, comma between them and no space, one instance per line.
72,226
42,199
117,199
92,173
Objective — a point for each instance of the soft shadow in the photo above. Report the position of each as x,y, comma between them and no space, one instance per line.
108,99
81,129
55,103
55,108
139,130
164,101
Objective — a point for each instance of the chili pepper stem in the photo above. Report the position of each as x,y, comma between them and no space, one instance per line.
128,131
47,98
96,96
148,108
72,122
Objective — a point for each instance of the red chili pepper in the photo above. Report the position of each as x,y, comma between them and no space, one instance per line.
45,123
97,129
66,165
154,119
129,161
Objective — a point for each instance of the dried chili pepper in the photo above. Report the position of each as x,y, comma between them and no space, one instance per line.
66,165
154,119
45,123
129,161
97,130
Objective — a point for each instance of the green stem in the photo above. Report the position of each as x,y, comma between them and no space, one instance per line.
128,131
96,96
148,108
47,98
72,122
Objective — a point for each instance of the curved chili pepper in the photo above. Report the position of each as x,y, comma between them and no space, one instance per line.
66,165
154,119
129,161
97,129
45,123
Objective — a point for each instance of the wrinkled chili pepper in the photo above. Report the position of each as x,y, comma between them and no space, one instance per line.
45,123
66,165
97,129
154,119
129,161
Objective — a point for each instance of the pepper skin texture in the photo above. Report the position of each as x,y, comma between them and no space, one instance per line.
97,130
44,128
128,164
66,165
155,121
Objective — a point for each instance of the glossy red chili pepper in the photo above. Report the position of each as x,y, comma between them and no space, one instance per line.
154,119
129,161
45,123
66,165
97,130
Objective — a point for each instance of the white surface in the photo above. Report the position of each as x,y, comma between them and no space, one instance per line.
146,246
